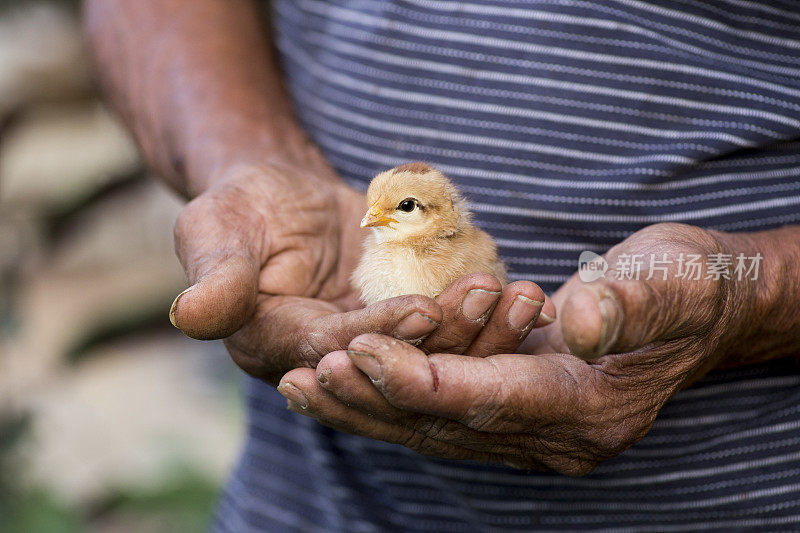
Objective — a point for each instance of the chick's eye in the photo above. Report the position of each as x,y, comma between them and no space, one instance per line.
407,205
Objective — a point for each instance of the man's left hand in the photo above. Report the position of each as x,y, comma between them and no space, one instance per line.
649,337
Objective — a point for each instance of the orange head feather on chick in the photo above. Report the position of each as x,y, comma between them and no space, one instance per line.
422,236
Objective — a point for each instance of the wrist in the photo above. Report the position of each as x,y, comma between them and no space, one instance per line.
207,159
762,303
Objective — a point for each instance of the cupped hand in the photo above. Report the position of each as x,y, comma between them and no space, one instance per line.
269,250
644,339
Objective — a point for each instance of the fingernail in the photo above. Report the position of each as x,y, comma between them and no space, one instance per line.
545,318
612,315
174,306
367,363
414,326
477,303
523,311
293,394
324,376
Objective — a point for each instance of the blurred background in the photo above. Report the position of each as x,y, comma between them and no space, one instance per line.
110,419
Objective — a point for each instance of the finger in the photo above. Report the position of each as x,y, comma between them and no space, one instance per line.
289,331
645,297
467,304
514,316
611,316
307,397
337,374
410,318
218,248
472,390
273,341
547,315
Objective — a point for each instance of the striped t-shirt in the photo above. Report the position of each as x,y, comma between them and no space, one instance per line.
569,124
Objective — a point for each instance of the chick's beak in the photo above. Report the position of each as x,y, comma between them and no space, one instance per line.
376,217
371,221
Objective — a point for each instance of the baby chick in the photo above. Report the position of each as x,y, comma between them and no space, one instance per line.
422,236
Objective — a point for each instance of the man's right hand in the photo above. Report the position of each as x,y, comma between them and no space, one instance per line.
268,251
268,244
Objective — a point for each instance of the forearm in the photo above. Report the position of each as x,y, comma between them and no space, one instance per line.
771,319
197,83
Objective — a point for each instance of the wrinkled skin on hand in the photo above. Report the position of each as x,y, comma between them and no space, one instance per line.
253,251
269,257
548,410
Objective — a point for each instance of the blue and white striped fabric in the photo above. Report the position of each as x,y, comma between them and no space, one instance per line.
569,124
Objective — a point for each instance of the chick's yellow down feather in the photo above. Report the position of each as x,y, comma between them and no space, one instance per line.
422,237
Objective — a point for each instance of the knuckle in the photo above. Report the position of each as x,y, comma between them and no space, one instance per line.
568,460
419,442
484,415
422,423
400,395
676,233
431,426
306,354
313,343
312,340
494,406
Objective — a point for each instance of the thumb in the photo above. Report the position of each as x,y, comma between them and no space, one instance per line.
619,316
218,248
658,297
